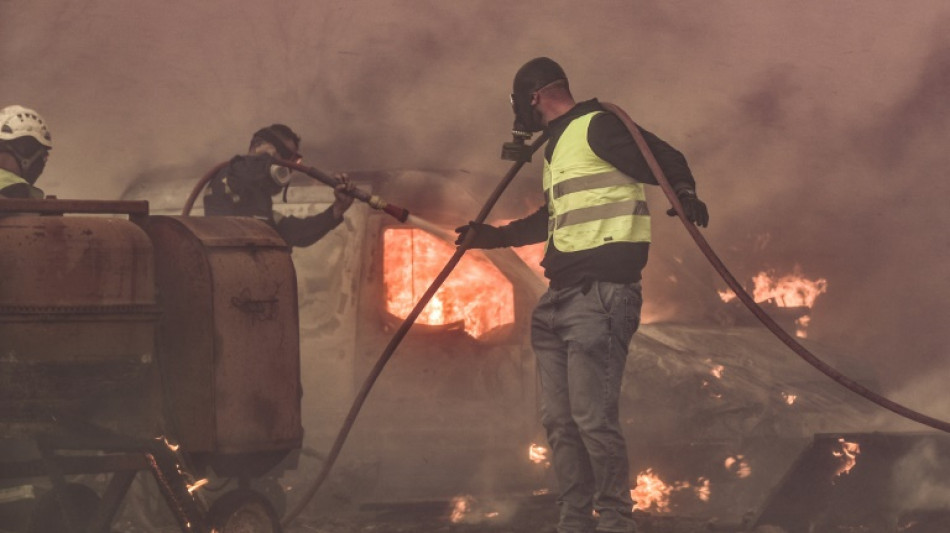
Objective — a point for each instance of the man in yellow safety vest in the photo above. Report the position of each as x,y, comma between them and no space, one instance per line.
596,226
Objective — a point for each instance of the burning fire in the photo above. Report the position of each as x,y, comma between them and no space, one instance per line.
538,454
802,323
461,506
847,453
169,444
793,290
476,294
703,492
727,295
653,492
465,509
197,485
738,466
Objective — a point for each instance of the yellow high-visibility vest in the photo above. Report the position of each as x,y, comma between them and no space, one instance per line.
8,178
590,202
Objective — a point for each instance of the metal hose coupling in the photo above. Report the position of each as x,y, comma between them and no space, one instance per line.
376,202
517,150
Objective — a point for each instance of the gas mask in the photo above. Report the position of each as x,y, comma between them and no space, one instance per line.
527,122
31,166
270,143
32,172
280,175
532,78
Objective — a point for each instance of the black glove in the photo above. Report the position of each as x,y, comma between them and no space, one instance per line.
694,208
485,236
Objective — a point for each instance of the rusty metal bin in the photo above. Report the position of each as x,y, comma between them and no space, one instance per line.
78,322
229,340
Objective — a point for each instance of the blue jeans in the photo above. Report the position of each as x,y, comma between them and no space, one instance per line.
581,340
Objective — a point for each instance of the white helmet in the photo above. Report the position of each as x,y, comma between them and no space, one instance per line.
18,121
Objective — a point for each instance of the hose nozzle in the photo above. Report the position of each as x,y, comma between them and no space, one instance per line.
399,213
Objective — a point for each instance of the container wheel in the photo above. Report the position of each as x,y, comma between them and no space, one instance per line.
81,501
244,511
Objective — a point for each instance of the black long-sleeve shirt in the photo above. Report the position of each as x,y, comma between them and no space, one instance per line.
244,188
620,262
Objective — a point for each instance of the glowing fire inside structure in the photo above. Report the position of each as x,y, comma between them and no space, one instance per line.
476,295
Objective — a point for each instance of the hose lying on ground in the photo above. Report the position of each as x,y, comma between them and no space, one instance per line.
760,313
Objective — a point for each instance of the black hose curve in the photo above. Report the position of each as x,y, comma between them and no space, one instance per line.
760,313
200,186
398,336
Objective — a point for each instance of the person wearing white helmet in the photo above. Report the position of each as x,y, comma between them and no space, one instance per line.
25,143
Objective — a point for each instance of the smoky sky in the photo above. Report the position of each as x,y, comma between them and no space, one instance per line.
818,132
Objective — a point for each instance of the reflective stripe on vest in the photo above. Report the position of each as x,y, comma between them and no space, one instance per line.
590,202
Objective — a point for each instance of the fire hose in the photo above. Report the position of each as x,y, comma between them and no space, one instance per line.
701,242
401,333
450,265
399,213
750,303
402,215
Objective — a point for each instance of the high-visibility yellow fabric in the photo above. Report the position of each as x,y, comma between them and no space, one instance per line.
590,202
8,178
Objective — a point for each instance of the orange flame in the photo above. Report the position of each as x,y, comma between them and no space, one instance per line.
847,453
197,485
802,323
169,444
792,290
703,492
789,398
738,466
538,454
461,506
476,294
727,295
653,492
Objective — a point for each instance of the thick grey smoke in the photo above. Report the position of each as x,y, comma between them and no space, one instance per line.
920,478
820,129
